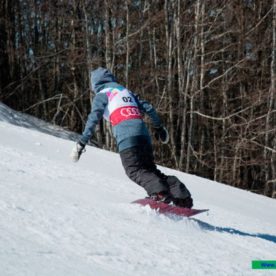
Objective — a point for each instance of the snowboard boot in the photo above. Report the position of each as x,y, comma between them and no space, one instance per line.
162,197
183,202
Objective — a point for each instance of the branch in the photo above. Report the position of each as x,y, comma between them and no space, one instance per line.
219,77
263,146
56,97
271,181
261,20
219,118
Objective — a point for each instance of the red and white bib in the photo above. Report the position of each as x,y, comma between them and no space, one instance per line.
121,106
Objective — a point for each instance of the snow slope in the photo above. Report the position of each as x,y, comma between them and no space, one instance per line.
21,119
64,218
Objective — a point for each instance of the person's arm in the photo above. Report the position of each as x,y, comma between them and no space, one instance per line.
98,107
161,132
147,108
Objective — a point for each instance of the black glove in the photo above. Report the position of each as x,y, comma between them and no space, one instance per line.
162,134
78,149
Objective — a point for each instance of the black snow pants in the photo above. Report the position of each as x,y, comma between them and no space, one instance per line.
139,166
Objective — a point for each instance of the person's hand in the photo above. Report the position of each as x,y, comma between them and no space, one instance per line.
78,149
162,134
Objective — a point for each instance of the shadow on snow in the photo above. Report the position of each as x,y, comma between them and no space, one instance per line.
206,226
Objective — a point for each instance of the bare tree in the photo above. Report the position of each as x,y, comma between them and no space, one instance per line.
207,66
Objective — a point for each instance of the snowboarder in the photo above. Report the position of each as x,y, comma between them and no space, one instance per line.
125,112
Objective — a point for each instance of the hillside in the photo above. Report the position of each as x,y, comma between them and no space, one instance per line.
62,218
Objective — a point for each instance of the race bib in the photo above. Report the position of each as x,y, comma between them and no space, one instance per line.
121,106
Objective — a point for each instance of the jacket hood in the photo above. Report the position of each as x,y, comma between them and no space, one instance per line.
99,77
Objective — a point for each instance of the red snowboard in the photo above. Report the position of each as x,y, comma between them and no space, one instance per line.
164,208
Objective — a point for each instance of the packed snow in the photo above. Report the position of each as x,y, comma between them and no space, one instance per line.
63,218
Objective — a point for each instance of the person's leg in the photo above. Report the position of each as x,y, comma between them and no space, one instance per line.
180,193
139,165
177,188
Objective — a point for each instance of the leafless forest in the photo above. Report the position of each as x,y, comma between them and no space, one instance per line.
207,66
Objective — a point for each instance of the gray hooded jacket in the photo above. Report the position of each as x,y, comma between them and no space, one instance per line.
128,133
